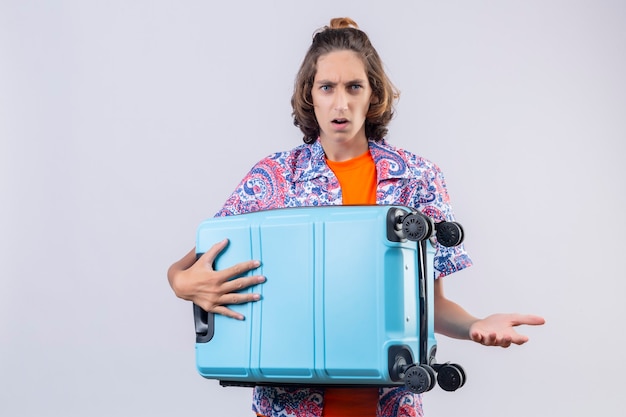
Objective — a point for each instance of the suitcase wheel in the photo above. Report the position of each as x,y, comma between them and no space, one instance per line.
451,377
433,376
416,227
449,233
462,371
419,378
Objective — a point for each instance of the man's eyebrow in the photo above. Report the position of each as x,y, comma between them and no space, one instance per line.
328,82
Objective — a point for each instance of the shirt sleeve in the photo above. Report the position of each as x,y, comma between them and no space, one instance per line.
431,198
261,189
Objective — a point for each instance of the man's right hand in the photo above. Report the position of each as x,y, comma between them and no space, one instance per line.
197,281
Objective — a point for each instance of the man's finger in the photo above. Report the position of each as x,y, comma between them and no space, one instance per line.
239,284
240,269
237,298
529,319
225,311
520,339
209,256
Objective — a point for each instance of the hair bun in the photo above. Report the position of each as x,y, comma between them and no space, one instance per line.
342,22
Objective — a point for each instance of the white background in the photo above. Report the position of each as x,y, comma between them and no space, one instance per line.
123,124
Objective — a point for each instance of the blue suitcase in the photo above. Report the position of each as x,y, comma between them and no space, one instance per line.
346,301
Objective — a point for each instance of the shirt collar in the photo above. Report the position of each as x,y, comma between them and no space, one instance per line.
311,162
390,161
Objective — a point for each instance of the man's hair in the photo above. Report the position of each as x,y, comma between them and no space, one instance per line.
343,34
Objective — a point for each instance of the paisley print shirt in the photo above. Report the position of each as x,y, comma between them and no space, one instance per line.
301,177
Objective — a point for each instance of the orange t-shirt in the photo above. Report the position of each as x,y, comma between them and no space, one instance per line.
350,402
357,178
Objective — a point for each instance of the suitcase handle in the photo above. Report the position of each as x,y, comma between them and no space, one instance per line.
204,323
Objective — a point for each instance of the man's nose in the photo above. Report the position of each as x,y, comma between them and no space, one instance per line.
341,101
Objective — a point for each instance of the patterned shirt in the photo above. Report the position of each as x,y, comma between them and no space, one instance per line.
301,177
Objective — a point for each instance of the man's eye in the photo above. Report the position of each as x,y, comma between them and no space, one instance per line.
325,88
356,87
